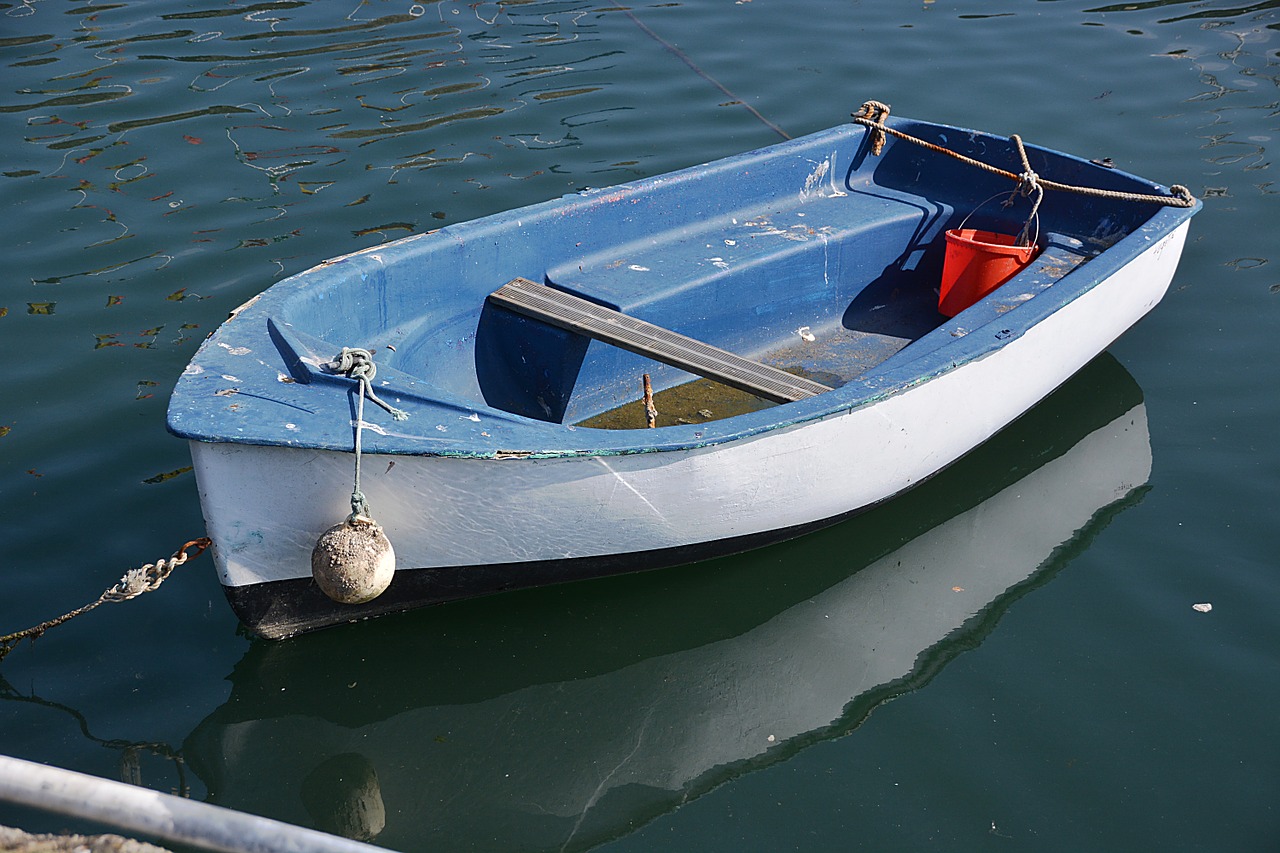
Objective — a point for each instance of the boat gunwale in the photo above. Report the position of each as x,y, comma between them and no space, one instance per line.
948,347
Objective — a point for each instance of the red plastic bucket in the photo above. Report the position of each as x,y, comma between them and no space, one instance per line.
976,263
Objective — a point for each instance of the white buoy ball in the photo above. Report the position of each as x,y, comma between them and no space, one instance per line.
353,562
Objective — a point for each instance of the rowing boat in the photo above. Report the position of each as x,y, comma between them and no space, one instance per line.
783,304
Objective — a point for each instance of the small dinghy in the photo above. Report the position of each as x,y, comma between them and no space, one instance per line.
824,323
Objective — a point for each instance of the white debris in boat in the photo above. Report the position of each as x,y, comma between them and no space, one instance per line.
192,370
285,378
835,190
1202,608
806,334
719,263
441,428
290,426
234,350
815,178
638,268
475,418
731,242
230,378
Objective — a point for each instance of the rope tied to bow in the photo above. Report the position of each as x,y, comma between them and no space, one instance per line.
353,561
358,365
133,584
873,113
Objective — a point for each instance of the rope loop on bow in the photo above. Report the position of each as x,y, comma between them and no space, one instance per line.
358,364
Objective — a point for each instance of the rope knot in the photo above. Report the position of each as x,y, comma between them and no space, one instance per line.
134,583
872,115
1183,195
358,364
359,506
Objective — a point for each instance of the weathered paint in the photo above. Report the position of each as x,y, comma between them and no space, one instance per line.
747,254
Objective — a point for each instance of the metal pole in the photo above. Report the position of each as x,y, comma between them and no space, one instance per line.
158,815
650,412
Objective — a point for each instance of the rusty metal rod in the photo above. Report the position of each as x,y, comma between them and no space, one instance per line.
650,412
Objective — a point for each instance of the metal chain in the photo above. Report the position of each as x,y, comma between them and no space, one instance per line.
134,583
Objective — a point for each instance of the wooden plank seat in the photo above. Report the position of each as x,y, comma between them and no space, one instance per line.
578,315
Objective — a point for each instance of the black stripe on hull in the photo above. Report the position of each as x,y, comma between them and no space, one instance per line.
279,609
1103,391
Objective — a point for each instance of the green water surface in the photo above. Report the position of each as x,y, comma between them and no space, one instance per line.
163,162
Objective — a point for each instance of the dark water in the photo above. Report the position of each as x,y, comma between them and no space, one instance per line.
1029,614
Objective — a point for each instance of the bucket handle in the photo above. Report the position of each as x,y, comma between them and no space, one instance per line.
1022,239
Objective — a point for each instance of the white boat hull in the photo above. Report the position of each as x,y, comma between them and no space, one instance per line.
266,505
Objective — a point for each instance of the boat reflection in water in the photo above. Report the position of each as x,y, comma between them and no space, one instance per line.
565,716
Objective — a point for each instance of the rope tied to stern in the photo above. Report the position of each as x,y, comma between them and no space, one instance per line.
872,115
1028,186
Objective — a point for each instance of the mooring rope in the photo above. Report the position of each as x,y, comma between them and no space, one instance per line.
873,114
684,57
1028,185
134,583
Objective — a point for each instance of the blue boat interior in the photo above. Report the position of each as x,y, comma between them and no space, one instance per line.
827,281
814,256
